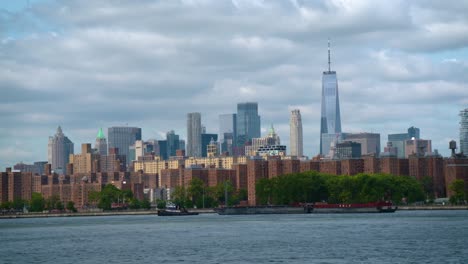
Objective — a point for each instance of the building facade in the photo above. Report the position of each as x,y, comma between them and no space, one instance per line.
330,121
206,139
464,131
295,134
172,143
122,138
398,140
59,150
418,147
370,142
227,133
101,143
194,131
248,122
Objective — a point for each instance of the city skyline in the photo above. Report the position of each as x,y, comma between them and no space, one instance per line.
70,65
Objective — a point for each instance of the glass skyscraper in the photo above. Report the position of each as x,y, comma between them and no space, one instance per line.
122,138
172,143
330,121
248,122
227,132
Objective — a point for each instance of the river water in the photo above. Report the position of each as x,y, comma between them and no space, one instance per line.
401,237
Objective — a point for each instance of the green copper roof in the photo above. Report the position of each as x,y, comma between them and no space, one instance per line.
100,134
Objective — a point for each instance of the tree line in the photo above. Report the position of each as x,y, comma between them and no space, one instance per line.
312,186
39,204
112,195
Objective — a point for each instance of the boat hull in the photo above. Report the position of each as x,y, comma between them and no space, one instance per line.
379,207
174,213
249,210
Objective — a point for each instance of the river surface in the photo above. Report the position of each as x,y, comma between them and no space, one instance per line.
401,237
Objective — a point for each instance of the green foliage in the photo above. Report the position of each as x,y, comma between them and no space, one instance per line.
53,203
71,206
111,194
428,187
134,204
180,198
160,204
6,205
145,204
458,189
313,186
18,204
37,203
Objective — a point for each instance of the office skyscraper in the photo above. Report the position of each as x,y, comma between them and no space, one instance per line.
101,143
295,133
194,129
248,123
122,138
227,132
172,143
59,150
464,131
330,122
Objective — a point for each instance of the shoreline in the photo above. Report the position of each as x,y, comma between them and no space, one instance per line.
201,211
85,214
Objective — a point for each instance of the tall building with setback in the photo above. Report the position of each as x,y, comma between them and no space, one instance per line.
464,131
295,133
330,121
194,131
101,143
227,132
398,140
59,150
122,138
248,122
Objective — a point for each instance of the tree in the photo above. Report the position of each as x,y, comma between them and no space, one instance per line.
428,187
53,202
37,202
180,198
458,189
71,206
145,204
94,197
196,191
160,204
18,204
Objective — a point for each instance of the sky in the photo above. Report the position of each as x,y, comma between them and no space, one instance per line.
85,64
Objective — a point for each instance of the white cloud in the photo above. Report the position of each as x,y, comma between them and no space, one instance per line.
91,64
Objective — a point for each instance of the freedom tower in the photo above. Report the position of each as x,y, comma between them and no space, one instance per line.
330,121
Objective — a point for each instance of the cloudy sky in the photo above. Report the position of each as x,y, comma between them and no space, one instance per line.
89,64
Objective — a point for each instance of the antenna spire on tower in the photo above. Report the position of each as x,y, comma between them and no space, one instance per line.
329,67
